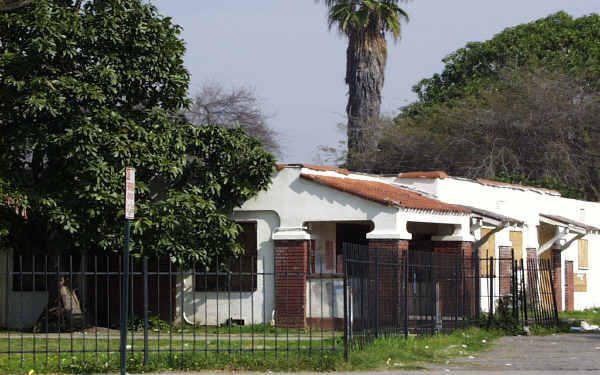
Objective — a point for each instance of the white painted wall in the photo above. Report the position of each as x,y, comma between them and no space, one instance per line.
25,308
323,232
526,205
256,307
325,298
297,201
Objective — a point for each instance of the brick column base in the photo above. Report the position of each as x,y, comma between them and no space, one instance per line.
557,278
505,270
456,277
532,274
291,260
386,281
569,286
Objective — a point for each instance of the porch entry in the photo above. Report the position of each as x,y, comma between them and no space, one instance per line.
401,290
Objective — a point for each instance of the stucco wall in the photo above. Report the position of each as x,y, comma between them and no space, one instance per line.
591,298
527,205
253,307
298,201
325,298
24,309
323,232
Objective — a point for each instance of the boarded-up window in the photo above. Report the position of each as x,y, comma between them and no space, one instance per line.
517,244
583,254
487,250
580,282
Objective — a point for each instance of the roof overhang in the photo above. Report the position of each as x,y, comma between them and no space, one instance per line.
493,218
571,225
564,228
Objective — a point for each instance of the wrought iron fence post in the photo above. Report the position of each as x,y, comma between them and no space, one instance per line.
377,291
346,313
491,283
555,307
125,299
515,301
145,270
477,265
524,293
406,270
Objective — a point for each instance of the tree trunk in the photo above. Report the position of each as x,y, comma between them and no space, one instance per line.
365,67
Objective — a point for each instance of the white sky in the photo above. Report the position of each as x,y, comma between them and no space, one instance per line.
283,49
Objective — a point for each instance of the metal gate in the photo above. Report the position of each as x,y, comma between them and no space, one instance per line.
397,293
393,292
537,293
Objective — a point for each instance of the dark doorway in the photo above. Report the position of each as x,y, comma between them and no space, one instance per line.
351,233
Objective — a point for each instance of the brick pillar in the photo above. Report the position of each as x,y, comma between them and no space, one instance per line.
505,270
470,287
291,262
390,255
569,286
556,278
453,263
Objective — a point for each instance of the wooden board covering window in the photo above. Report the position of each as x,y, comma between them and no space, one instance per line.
545,234
517,244
583,259
487,250
580,282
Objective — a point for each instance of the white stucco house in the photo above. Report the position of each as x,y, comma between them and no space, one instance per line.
308,211
298,225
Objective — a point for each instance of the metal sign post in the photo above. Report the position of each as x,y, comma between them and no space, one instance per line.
129,215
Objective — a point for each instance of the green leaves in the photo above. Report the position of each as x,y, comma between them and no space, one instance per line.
380,16
83,96
558,42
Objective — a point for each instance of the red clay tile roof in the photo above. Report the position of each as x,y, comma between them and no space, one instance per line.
384,193
505,184
321,168
431,175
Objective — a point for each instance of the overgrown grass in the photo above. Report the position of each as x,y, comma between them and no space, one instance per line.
390,353
592,316
414,352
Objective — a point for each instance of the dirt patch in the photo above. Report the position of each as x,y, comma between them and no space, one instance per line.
567,352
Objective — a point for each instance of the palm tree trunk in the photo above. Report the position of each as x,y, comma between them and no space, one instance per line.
365,59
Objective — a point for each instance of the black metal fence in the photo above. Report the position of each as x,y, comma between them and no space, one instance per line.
538,297
70,307
397,293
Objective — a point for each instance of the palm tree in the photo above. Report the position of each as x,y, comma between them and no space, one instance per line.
365,23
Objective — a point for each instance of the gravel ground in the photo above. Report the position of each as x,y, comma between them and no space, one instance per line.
567,352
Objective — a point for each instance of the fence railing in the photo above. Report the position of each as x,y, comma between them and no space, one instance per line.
394,292
69,307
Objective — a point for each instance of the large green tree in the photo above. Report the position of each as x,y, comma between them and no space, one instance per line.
557,42
532,126
365,23
87,90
